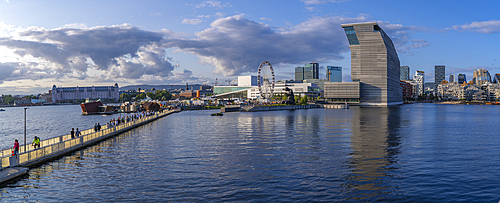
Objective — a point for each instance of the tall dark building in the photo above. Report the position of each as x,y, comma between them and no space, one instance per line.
461,79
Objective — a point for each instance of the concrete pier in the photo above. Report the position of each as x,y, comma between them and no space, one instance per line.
61,145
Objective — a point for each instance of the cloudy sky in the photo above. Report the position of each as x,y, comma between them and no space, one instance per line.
84,43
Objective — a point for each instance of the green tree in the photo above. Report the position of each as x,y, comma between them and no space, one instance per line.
140,96
8,99
151,95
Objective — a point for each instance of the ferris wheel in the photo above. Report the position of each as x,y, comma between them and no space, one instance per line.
265,80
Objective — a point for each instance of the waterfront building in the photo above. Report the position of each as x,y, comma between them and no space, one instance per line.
496,78
80,94
439,75
462,79
319,82
248,80
334,74
452,78
343,91
414,88
481,76
407,90
404,73
246,91
419,78
374,65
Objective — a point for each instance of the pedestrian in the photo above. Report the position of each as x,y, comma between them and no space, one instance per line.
95,127
16,147
98,127
36,142
72,133
77,133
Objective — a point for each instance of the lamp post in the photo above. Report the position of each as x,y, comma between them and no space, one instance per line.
25,129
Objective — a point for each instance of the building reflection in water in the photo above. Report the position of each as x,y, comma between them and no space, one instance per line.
375,144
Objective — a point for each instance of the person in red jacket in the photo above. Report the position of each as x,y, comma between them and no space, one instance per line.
16,147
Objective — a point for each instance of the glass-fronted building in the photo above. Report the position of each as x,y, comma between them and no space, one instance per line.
404,73
334,74
309,71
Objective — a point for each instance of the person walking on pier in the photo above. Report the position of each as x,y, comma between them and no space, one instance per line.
36,142
98,127
77,133
72,133
95,127
16,147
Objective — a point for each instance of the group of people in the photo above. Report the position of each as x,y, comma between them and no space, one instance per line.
35,144
97,127
74,133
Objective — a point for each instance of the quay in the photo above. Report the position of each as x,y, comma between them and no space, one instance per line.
292,107
16,166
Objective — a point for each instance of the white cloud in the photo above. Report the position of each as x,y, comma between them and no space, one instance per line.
215,4
155,14
318,2
311,9
485,27
219,15
264,18
192,21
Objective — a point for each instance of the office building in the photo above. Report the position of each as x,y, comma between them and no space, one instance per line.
452,78
419,78
404,73
247,80
461,79
309,71
481,76
334,74
79,94
374,64
439,74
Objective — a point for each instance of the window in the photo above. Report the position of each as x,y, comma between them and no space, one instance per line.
351,35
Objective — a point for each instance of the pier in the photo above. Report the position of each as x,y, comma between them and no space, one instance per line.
15,166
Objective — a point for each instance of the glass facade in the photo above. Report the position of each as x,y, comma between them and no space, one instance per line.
351,35
334,73
226,89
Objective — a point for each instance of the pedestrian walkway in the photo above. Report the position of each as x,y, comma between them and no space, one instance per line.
59,146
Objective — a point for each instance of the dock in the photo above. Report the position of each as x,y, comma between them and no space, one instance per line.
16,166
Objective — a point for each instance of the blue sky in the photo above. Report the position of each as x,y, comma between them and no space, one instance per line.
84,43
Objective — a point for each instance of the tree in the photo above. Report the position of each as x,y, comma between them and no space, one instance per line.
140,96
8,99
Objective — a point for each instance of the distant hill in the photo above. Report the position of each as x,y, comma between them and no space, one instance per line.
160,87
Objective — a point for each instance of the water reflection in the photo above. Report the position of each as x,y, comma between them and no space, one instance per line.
375,144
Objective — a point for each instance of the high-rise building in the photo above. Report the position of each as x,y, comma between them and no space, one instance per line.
375,64
299,73
334,74
309,71
439,75
404,73
481,76
461,79
452,78
496,78
419,78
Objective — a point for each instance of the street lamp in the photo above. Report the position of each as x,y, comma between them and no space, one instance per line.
25,129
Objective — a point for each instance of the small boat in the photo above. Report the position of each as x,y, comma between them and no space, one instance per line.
2,109
217,114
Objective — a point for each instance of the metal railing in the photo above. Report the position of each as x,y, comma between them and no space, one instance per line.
64,142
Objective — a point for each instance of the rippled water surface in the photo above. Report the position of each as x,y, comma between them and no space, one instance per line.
413,153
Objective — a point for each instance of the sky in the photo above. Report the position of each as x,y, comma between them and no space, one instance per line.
85,43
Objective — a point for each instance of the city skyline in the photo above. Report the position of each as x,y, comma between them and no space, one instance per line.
170,42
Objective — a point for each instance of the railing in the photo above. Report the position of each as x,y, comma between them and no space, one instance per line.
61,143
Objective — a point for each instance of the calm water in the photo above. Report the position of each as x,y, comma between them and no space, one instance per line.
413,153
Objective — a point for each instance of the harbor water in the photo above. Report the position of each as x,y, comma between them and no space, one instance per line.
411,153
